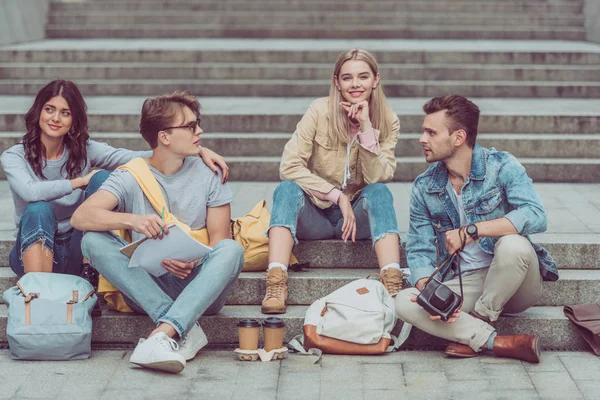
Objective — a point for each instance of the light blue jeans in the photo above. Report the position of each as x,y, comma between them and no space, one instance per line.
373,209
178,302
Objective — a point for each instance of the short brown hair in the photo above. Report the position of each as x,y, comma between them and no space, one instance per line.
461,113
160,112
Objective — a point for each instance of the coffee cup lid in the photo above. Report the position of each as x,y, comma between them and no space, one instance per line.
273,322
248,323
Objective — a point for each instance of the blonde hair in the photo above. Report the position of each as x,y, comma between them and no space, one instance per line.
378,104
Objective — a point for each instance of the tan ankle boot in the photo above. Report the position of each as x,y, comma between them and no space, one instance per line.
392,280
275,300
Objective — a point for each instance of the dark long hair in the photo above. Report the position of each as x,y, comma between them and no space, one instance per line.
75,140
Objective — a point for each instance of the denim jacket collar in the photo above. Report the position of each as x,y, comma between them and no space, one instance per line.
439,178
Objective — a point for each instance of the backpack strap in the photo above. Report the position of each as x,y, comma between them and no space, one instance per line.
399,341
297,345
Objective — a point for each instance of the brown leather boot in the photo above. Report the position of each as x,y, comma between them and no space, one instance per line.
460,350
521,347
275,299
392,280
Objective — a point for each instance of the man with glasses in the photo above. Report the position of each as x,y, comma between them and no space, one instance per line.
196,197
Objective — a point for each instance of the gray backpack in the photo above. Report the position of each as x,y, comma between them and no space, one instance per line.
49,317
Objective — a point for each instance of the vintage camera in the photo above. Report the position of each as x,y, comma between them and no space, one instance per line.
437,299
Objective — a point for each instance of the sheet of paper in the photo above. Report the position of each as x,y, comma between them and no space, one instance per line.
177,245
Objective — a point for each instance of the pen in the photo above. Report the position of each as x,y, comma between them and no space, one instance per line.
163,218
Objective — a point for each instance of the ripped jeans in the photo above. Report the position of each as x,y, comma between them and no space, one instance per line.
38,224
373,209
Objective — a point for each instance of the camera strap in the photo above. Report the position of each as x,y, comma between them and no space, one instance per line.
463,239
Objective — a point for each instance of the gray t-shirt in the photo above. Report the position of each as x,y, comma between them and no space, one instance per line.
188,193
56,189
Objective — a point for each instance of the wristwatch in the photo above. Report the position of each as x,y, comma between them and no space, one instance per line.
472,231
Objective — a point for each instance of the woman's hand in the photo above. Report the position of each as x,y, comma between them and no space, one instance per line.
349,227
81,182
358,112
215,161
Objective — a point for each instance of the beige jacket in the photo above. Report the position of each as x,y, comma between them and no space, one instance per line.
315,159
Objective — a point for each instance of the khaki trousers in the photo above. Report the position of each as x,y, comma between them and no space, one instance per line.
511,284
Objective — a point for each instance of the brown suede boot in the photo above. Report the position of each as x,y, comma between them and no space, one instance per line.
392,280
275,300
521,347
459,350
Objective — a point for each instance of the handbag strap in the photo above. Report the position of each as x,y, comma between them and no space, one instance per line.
463,240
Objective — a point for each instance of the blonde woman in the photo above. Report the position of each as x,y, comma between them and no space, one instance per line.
333,170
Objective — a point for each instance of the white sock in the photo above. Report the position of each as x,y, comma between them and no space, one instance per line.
276,264
392,265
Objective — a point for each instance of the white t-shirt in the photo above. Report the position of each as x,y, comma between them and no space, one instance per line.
472,257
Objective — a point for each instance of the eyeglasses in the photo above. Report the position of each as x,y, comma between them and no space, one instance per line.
191,126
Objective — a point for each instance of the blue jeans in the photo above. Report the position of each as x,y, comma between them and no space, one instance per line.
38,224
178,302
373,209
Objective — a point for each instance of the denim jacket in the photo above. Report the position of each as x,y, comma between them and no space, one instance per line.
496,187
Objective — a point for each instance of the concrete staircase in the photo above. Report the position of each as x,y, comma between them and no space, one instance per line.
257,65
470,19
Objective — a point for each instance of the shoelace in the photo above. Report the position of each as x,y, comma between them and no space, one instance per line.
274,290
169,344
392,284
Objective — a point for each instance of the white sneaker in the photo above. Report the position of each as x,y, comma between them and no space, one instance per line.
192,343
159,352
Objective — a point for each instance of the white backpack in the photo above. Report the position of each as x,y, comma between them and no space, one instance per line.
360,315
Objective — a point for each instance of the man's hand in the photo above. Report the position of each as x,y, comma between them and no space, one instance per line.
149,225
454,240
451,320
181,269
421,284
214,162
349,227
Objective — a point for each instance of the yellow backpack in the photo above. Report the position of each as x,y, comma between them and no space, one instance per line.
249,231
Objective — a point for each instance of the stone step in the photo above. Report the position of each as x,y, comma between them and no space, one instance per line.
570,250
549,323
573,170
570,7
82,31
573,287
292,72
531,145
316,18
315,88
230,114
298,51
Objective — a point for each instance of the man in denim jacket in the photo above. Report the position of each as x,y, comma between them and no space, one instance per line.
485,197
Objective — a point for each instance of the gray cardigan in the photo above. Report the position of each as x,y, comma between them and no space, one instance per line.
27,187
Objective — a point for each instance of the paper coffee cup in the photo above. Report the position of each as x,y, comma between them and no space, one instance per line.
273,331
248,330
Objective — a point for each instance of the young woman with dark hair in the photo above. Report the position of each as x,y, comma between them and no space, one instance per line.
51,171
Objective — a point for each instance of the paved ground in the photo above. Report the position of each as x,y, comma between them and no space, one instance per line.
217,374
